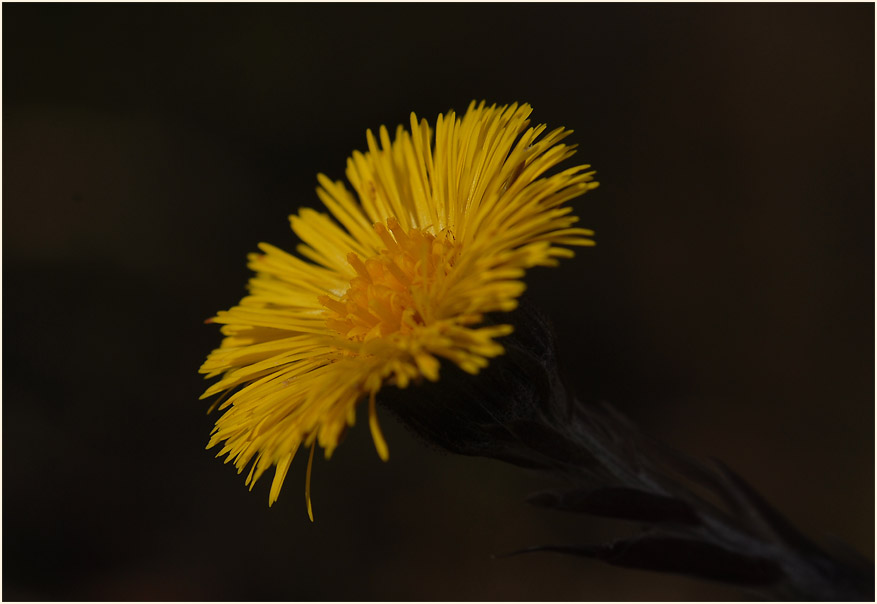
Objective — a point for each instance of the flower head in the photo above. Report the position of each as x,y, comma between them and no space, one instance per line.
391,280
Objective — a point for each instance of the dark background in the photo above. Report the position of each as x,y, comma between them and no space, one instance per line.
728,306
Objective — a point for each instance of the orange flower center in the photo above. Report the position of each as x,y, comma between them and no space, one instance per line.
395,291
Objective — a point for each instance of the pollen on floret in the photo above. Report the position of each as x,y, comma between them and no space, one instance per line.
394,291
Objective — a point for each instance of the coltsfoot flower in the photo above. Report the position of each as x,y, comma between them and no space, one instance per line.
390,281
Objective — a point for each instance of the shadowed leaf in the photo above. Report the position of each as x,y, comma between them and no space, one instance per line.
675,555
618,502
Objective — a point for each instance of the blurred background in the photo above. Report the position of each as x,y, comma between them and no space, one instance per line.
728,306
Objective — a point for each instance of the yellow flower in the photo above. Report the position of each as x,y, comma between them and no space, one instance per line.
438,235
